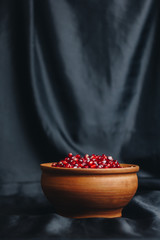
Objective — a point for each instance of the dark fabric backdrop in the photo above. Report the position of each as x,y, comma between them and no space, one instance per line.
79,76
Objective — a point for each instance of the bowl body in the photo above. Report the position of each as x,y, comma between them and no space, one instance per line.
85,193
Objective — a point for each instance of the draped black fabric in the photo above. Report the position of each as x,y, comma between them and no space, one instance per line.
78,76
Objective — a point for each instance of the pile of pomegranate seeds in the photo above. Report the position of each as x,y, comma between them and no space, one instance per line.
93,161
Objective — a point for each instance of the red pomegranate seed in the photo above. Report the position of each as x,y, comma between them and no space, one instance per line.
93,166
54,164
100,166
70,155
80,165
68,165
60,164
104,162
90,163
86,156
80,160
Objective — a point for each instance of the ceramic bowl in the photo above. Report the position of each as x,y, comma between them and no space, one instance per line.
88,193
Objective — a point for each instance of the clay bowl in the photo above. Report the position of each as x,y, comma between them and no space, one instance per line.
88,193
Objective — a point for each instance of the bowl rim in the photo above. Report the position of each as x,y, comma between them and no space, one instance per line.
126,168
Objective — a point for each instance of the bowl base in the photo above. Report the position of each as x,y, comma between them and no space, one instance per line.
110,213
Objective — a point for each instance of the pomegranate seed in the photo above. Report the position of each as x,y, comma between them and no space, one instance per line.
104,162
54,164
80,165
80,160
86,156
90,163
78,156
61,164
100,166
70,155
68,165
93,166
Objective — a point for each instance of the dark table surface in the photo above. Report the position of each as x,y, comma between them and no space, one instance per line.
26,214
